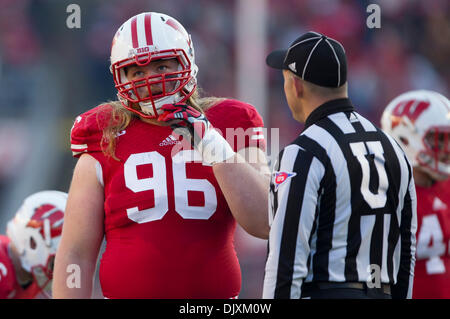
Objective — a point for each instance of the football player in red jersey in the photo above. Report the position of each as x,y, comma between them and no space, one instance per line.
420,122
28,250
167,205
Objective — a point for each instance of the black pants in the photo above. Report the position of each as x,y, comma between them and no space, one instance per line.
313,291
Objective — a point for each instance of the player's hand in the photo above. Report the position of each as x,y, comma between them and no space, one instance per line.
193,123
195,126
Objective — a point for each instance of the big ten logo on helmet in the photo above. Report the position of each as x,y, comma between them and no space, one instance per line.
74,19
142,50
147,49
239,139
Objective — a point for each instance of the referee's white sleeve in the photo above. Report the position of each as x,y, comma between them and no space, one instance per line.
293,219
412,235
408,227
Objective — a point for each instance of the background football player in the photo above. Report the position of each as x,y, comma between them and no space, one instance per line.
420,122
28,250
167,205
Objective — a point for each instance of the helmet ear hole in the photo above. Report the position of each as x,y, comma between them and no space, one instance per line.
33,244
51,264
404,140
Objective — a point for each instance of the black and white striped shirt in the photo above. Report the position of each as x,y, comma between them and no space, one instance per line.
342,203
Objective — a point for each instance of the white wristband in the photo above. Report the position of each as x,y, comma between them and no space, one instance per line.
214,148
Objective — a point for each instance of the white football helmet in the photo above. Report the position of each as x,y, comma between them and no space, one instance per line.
420,122
35,231
147,37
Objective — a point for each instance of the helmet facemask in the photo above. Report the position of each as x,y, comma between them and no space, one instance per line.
435,156
176,87
43,276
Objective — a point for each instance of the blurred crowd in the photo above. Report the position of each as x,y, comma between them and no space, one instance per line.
43,60
411,50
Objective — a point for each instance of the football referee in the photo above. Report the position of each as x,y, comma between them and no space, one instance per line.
342,196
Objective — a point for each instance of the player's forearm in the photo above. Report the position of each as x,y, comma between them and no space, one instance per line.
82,233
246,191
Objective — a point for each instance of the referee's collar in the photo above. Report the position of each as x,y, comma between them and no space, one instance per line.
327,108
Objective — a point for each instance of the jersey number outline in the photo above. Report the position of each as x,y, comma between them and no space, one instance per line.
431,232
375,200
359,150
158,183
3,271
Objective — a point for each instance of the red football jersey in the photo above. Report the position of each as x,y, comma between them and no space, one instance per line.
9,287
432,271
169,230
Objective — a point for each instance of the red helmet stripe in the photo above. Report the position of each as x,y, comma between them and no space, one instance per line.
148,29
173,24
134,35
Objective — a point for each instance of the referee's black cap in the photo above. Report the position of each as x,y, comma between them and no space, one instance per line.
315,58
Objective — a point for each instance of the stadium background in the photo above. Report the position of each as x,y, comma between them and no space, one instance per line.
50,73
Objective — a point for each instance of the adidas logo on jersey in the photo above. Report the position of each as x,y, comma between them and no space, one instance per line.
170,140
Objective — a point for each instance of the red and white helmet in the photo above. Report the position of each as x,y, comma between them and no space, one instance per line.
35,231
144,38
420,122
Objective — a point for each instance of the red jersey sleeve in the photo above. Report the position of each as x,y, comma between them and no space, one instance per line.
7,273
87,131
239,123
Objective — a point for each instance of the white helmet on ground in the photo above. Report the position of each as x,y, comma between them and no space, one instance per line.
147,37
35,232
420,122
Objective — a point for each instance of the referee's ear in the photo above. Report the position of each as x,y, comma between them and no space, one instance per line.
298,86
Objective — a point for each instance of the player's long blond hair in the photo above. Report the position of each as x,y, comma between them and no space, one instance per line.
120,118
